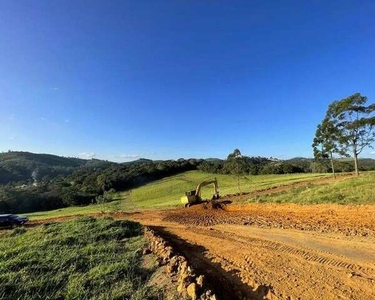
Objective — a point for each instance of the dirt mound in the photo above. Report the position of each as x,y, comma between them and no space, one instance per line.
210,205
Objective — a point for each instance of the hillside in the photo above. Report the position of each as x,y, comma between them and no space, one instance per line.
168,191
22,166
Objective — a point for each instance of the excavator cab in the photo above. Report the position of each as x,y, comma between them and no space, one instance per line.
194,197
190,193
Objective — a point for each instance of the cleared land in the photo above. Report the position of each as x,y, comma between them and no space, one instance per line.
266,244
277,251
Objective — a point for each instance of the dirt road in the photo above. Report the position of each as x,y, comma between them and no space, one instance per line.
260,251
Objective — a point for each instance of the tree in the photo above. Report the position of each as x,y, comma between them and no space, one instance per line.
354,122
325,142
235,158
102,182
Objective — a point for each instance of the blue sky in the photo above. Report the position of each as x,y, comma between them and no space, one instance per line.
169,79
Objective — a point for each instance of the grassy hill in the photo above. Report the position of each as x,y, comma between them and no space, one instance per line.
168,191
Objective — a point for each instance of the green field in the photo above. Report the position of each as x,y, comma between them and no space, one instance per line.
86,258
121,202
168,191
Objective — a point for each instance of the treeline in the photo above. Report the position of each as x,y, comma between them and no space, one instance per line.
261,166
90,183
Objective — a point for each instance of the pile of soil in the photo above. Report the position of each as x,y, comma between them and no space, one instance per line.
215,204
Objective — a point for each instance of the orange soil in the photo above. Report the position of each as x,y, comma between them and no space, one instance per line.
268,251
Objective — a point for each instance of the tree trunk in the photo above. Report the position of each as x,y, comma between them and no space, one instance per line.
356,163
238,176
238,182
333,167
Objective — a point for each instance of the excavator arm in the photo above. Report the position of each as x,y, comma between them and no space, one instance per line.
204,183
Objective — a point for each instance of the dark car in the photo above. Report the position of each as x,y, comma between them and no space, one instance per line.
10,220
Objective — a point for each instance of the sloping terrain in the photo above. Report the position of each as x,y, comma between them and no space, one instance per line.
168,191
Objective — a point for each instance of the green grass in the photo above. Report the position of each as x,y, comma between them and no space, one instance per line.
351,191
168,191
121,202
86,258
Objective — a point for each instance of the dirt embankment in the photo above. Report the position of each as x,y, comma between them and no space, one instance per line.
190,284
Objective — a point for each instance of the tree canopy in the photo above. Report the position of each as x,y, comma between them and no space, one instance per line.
354,123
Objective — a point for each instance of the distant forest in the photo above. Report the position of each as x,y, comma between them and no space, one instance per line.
36,182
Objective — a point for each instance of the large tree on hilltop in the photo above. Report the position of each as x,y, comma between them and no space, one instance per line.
354,122
235,159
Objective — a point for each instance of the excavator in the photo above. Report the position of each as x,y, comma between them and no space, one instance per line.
194,197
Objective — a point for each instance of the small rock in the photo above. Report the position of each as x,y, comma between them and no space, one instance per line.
183,267
192,291
163,261
200,281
